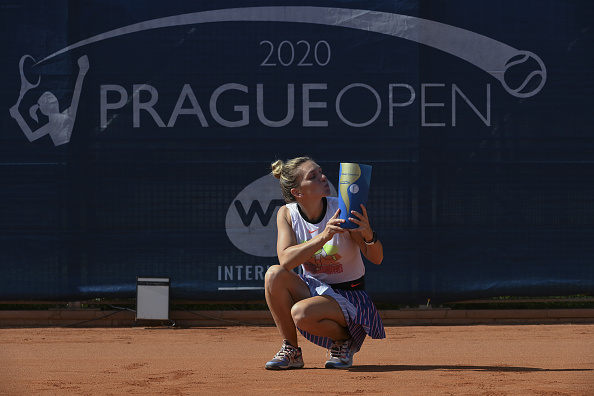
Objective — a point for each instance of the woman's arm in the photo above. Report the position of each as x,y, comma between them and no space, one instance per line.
373,253
291,254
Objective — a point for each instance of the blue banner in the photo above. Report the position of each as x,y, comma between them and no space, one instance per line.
137,137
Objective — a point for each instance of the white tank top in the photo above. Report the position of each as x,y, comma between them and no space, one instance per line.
340,258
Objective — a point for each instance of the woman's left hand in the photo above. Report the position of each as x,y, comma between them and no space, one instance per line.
373,252
362,220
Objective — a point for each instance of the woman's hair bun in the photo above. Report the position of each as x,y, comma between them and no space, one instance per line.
277,168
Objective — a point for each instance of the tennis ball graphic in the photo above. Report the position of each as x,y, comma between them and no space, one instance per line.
525,74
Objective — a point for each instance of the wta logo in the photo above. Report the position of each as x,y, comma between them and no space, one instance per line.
251,218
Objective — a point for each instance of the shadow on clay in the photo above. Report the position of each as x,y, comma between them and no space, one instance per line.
400,367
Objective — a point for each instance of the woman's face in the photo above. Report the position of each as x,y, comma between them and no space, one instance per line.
313,182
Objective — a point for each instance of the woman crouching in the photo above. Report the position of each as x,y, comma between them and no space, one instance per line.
328,303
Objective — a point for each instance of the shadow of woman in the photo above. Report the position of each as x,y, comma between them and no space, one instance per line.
399,367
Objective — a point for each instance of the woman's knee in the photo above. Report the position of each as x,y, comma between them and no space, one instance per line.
299,315
272,274
309,313
279,280
306,314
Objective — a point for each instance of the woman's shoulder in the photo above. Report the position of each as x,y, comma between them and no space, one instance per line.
284,213
284,209
287,210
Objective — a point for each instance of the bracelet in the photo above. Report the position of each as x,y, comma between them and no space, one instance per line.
373,239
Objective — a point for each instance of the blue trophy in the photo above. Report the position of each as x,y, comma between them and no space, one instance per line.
354,187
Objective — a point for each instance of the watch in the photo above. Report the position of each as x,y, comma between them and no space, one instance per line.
373,239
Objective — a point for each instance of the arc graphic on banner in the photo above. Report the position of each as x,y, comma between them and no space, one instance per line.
490,55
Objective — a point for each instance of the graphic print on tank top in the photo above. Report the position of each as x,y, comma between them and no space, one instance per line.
325,260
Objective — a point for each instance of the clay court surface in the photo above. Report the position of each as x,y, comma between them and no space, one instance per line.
415,360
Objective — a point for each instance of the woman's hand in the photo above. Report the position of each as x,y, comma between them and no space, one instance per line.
333,227
362,221
373,252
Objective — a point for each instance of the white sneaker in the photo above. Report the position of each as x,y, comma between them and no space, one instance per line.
289,357
341,355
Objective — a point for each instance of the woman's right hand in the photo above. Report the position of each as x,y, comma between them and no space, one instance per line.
333,227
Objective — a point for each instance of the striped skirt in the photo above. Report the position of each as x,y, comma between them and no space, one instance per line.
359,311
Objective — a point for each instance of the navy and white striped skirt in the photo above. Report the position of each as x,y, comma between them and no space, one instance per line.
359,311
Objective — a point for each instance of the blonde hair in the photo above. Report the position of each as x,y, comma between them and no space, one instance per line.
288,173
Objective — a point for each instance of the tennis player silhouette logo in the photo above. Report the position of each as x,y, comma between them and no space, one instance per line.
59,123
